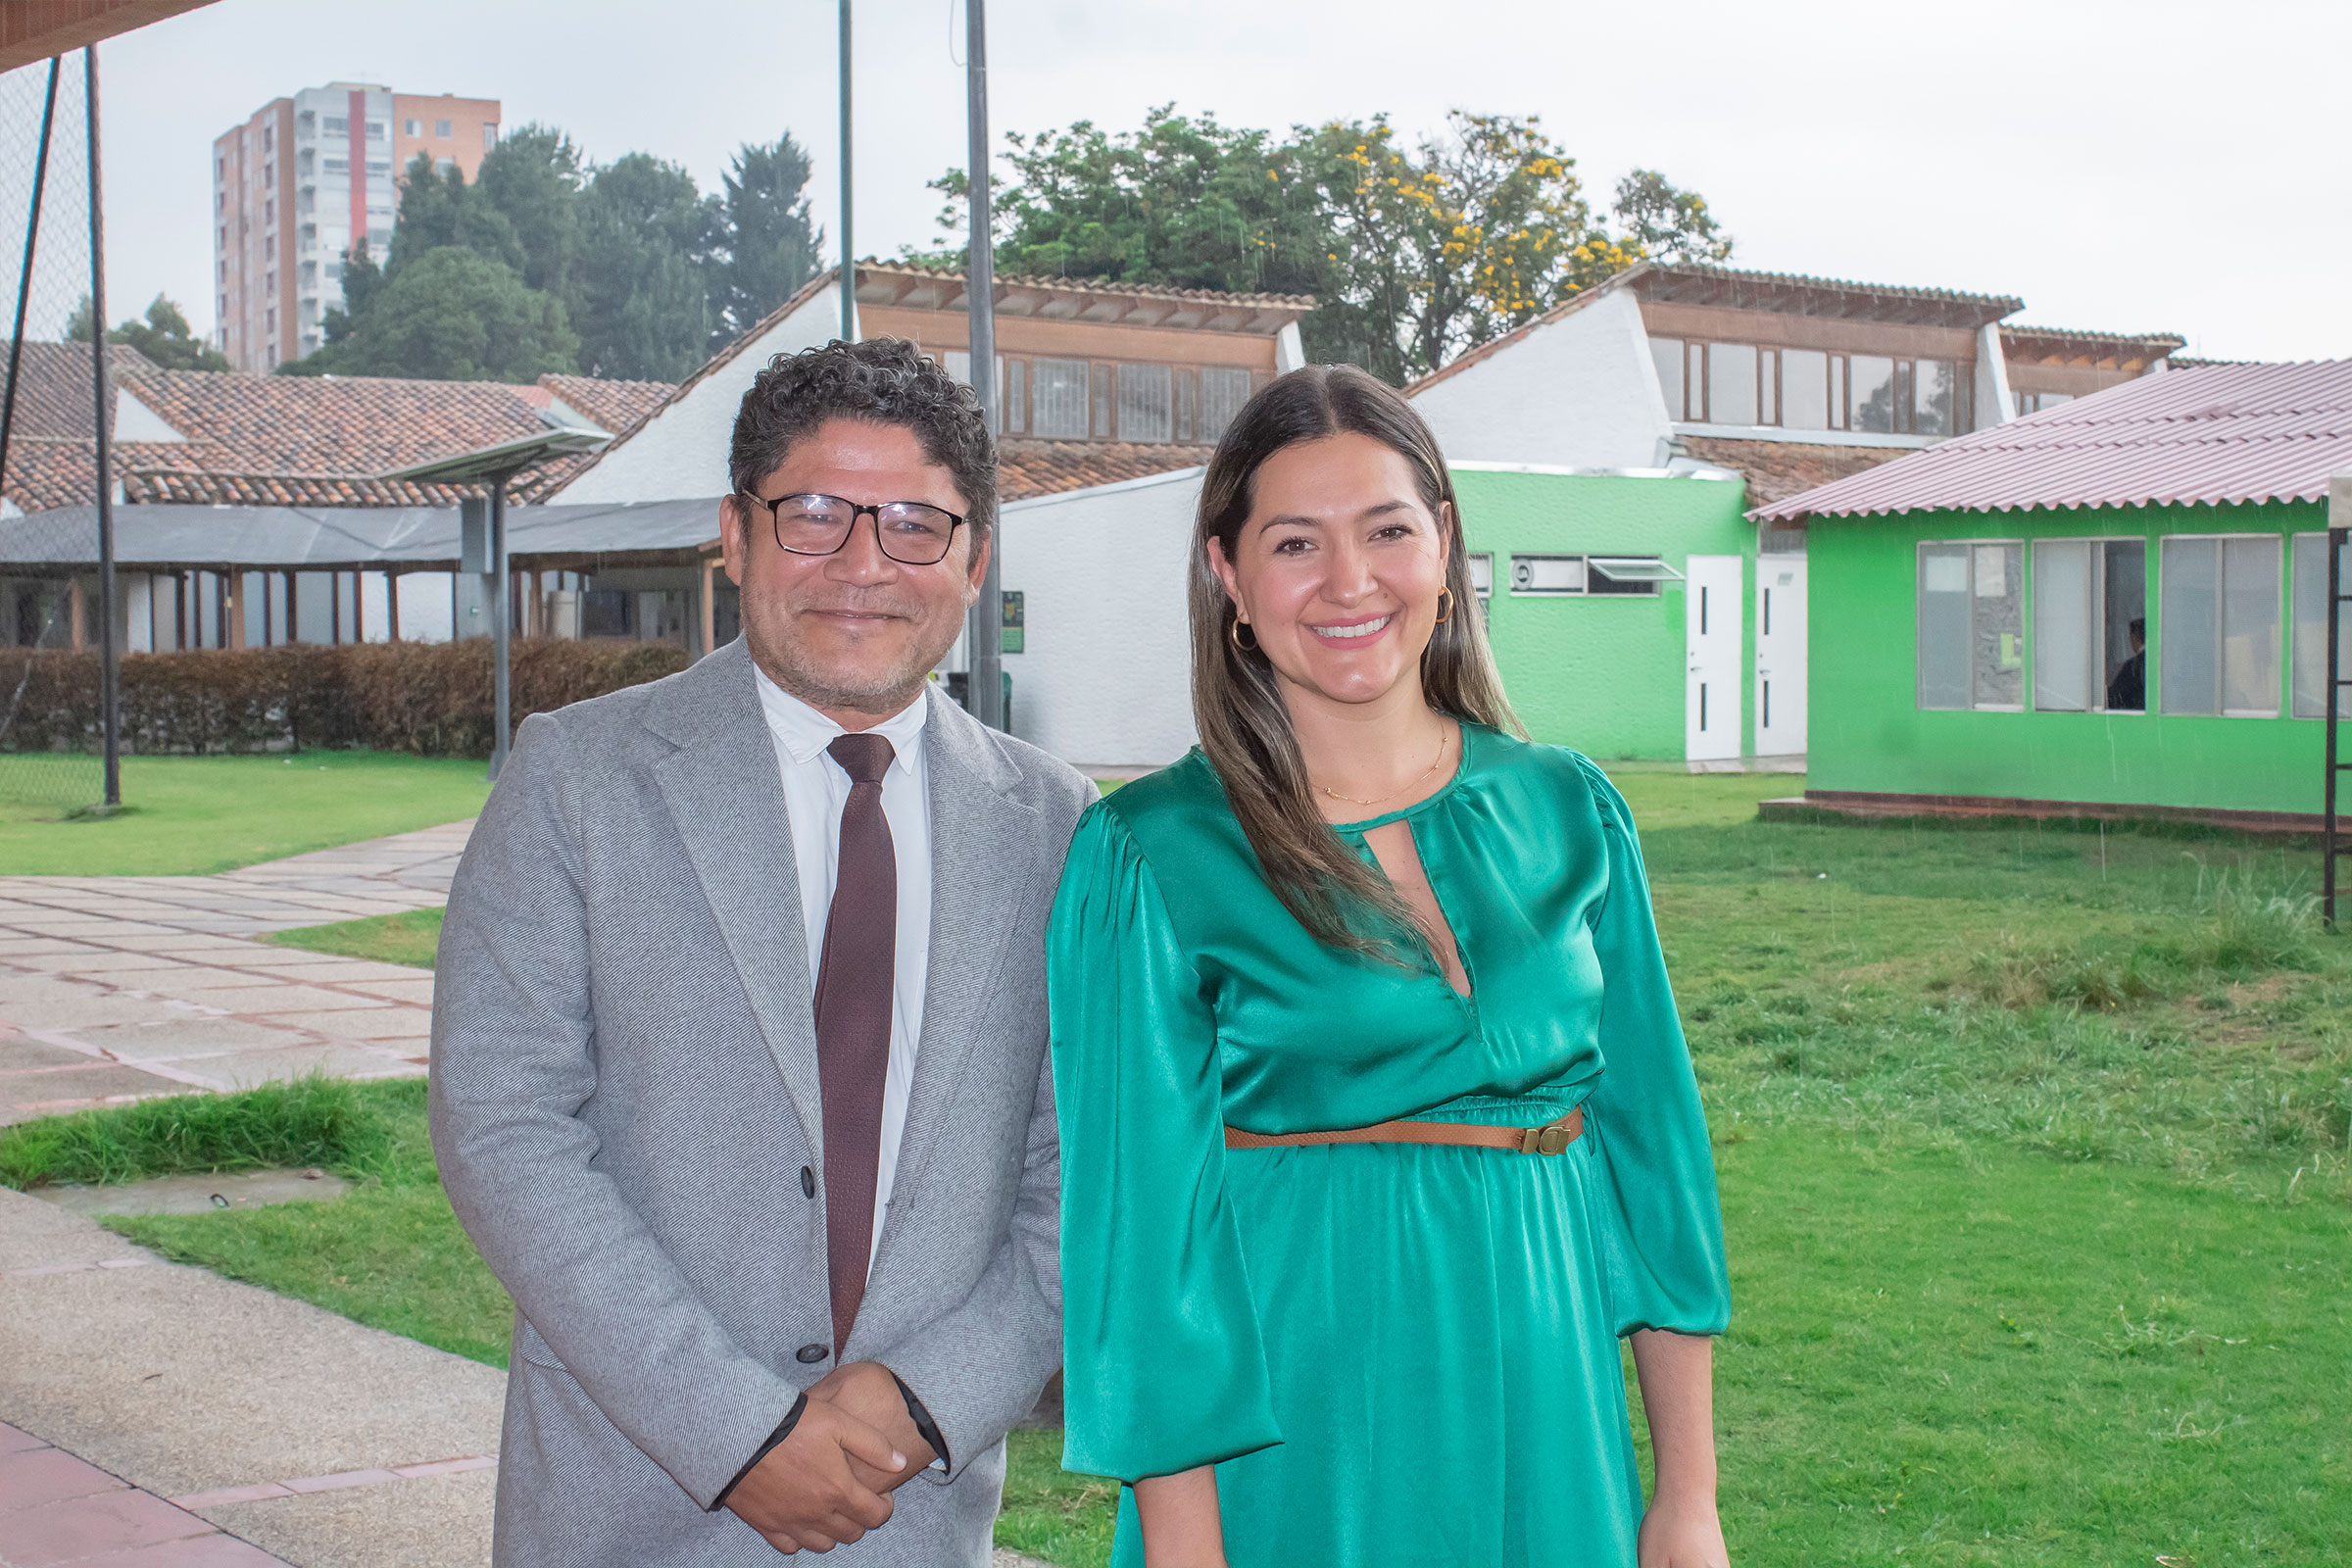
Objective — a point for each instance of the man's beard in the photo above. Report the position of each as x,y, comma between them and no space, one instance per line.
884,691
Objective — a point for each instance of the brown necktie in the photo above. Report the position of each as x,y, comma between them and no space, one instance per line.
854,995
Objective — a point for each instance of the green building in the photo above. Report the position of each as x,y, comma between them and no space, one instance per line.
2116,607
1617,604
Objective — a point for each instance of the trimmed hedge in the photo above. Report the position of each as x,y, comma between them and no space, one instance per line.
432,698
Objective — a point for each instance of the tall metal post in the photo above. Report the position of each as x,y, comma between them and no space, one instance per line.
110,651
984,628
502,590
849,250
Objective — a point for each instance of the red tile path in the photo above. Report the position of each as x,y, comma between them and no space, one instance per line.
58,1510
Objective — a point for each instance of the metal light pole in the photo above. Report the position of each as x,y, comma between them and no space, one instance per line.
984,628
110,651
848,252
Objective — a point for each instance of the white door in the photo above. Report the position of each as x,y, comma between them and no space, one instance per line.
1780,655
1711,693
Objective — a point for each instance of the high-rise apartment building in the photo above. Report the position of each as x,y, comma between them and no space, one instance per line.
297,184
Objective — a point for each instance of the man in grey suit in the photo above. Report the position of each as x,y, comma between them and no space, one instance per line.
739,1079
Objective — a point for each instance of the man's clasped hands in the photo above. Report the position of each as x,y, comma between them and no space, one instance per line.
830,1480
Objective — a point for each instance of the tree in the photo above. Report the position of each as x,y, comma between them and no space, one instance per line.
453,315
1413,253
1667,224
769,245
165,338
640,294
438,209
534,177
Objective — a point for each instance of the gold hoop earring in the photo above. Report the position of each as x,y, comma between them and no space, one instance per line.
1233,634
1445,596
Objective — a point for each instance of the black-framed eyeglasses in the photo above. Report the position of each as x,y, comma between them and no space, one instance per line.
912,533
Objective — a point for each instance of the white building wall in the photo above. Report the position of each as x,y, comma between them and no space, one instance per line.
1581,392
681,452
1105,675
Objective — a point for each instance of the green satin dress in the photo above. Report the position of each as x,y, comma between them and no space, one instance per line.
1393,1353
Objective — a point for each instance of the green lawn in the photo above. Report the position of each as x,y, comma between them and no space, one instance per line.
2033,1147
411,937
189,816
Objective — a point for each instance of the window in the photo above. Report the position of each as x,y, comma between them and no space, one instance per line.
2090,606
1627,574
1869,385
1971,625
444,165
2220,625
1222,394
376,129
2311,627
335,125
1548,574
270,173
1768,386
2035,401
1481,573
1105,399
1730,383
1668,352
335,166
1017,395
1804,389
441,130
1062,398
414,127
1147,403
489,134
1935,398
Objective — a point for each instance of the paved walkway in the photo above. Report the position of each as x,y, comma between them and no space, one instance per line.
163,1417
114,989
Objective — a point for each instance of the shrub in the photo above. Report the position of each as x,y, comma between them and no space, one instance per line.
432,698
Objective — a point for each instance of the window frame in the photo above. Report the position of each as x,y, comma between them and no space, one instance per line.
2097,612
2294,579
1919,589
2281,608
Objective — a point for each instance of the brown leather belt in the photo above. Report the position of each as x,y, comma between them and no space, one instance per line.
1550,1139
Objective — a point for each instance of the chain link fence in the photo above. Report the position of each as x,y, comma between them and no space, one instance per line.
49,590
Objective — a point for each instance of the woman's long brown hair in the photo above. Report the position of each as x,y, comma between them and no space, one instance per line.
1238,707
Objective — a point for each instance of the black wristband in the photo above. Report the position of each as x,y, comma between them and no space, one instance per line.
924,1427
792,1418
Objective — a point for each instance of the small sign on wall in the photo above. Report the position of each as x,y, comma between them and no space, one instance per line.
1014,617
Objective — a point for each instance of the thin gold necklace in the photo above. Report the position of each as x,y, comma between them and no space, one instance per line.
1400,788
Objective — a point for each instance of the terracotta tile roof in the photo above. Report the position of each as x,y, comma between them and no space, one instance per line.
1774,469
1027,466
53,391
2234,433
283,440
612,405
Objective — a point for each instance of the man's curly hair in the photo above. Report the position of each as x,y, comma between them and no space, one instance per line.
883,380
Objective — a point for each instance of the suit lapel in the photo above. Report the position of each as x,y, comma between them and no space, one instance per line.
724,794
980,873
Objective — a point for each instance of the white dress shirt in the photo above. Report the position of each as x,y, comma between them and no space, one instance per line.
815,788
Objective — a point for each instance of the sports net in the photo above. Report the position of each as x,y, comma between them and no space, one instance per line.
49,617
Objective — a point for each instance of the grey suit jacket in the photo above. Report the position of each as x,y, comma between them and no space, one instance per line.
625,1102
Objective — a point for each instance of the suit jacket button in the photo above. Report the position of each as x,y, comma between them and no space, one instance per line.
808,1182
811,1354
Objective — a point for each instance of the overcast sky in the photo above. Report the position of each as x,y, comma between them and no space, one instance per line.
2120,165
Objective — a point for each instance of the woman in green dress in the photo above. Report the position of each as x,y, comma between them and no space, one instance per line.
1368,907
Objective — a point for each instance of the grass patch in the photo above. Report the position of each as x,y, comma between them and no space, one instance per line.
191,815
411,937
310,1121
2032,1141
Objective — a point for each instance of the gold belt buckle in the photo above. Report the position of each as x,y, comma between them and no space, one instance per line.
1549,1139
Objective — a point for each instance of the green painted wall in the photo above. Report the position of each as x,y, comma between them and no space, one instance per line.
1867,731
1603,673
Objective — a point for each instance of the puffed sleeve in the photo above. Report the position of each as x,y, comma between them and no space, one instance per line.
1661,1225
1165,1369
